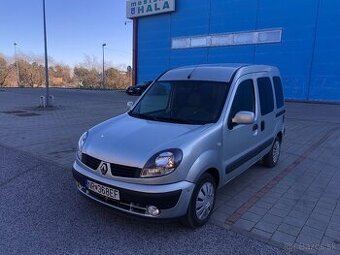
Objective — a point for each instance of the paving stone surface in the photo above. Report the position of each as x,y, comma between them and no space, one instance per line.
295,204
301,209
42,213
53,134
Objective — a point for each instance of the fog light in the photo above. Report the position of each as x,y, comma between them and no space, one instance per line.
152,210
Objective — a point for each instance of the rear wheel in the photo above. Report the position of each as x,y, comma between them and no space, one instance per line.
202,202
271,159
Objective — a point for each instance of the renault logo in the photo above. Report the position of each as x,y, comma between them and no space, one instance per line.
104,167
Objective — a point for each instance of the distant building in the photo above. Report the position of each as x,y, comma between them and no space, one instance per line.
300,37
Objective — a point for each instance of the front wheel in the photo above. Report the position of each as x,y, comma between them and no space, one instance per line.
202,202
271,159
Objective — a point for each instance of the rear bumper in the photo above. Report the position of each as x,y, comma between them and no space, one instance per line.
171,199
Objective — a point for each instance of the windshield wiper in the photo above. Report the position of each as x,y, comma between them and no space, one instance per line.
176,120
165,119
141,116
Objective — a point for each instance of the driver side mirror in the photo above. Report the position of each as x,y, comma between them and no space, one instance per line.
129,105
243,117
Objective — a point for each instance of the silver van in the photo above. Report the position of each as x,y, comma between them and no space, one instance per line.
192,131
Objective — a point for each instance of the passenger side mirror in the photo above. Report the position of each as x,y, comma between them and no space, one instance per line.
244,117
129,105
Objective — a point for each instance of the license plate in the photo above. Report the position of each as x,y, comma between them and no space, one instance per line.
103,190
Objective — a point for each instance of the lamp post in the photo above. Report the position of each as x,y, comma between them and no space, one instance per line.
16,63
46,58
103,73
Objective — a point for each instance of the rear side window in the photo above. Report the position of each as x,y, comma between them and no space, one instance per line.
278,91
244,99
266,95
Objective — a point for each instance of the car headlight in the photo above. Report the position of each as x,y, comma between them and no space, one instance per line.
162,163
81,143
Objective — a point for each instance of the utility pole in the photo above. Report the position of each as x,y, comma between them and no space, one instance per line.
103,73
46,58
16,63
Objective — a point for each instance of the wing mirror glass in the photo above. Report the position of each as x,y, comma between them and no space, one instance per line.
244,117
129,105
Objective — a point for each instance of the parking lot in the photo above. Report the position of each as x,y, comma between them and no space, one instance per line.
292,208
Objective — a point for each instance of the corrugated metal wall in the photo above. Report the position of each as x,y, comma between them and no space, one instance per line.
308,56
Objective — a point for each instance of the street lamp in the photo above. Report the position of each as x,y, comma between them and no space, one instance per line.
46,58
16,63
103,74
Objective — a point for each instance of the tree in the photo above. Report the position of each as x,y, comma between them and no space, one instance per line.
116,79
31,74
38,74
86,74
86,77
91,62
5,70
60,74
111,77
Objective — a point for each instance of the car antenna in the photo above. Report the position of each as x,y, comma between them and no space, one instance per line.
189,76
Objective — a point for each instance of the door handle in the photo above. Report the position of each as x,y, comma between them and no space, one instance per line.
262,125
255,127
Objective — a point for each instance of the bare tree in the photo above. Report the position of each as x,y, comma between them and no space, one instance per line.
31,74
86,74
111,75
116,79
38,75
86,77
91,62
60,75
5,70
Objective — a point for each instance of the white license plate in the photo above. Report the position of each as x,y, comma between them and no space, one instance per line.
103,190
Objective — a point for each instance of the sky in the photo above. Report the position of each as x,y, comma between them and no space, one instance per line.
75,28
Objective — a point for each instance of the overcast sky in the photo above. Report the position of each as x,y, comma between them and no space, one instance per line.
74,27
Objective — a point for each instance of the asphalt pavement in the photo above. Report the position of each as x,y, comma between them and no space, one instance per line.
41,212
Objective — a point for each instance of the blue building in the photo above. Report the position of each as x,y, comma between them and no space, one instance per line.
301,37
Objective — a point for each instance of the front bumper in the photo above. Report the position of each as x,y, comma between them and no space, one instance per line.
171,199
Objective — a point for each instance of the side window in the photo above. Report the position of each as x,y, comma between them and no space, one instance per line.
266,95
244,99
278,91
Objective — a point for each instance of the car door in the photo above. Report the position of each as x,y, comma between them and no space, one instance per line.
240,140
267,113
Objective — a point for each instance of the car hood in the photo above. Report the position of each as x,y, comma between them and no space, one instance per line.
130,141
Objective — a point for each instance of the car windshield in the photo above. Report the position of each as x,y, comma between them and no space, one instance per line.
187,102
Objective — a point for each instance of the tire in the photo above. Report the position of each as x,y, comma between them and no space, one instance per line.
198,217
270,160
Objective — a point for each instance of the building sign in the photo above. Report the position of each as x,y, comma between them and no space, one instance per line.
138,8
230,39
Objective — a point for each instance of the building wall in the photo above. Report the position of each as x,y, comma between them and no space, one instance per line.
308,56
